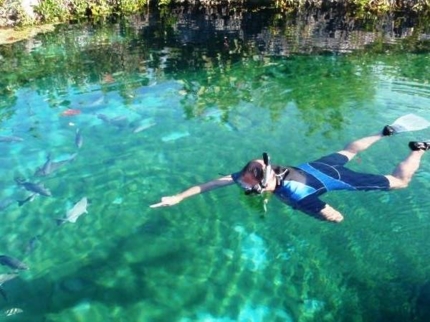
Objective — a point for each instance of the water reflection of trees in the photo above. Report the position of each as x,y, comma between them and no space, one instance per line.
212,41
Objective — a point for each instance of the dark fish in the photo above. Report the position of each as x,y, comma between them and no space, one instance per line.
11,139
32,244
34,187
12,262
29,198
78,138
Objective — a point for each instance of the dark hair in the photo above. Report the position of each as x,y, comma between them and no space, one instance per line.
255,168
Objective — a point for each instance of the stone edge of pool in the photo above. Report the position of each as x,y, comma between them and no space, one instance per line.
11,35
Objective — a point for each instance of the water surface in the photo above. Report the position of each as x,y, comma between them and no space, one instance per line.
165,104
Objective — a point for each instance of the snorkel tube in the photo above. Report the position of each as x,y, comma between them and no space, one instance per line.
267,170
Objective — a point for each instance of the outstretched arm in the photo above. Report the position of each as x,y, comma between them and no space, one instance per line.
175,199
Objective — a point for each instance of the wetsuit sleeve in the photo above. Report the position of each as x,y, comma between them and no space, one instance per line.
311,206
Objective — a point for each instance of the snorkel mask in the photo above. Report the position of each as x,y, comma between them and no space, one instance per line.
267,174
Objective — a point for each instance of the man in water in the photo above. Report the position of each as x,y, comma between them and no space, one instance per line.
301,186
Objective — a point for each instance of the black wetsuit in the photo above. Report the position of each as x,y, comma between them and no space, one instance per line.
301,186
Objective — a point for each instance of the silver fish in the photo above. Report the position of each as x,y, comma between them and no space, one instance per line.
11,139
78,139
52,166
118,121
175,136
13,311
12,262
73,214
142,127
46,168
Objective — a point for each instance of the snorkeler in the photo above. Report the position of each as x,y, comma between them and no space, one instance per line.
301,186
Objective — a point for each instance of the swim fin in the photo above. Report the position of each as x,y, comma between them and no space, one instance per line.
406,123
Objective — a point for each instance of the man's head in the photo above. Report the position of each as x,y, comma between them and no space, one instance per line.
251,177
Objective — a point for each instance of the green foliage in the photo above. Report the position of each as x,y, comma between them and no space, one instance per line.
63,10
52,11
360,7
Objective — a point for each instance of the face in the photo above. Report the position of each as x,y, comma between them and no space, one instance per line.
250,183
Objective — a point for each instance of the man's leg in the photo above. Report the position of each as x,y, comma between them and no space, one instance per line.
360,145
405,170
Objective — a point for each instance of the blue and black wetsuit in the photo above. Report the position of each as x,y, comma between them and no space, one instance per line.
301,186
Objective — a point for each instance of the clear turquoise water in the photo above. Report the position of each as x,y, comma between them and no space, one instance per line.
214,257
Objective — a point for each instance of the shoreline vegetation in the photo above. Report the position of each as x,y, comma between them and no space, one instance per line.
20,13
22,19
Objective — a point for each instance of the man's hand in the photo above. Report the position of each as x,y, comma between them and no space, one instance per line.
167,201
331,214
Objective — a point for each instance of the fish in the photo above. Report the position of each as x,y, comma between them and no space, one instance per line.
175,136
45,169
52,166
32,244
120,121
78,138
11,139
12,262
13,311
70,112
77,210
28,199
142,127
34,187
